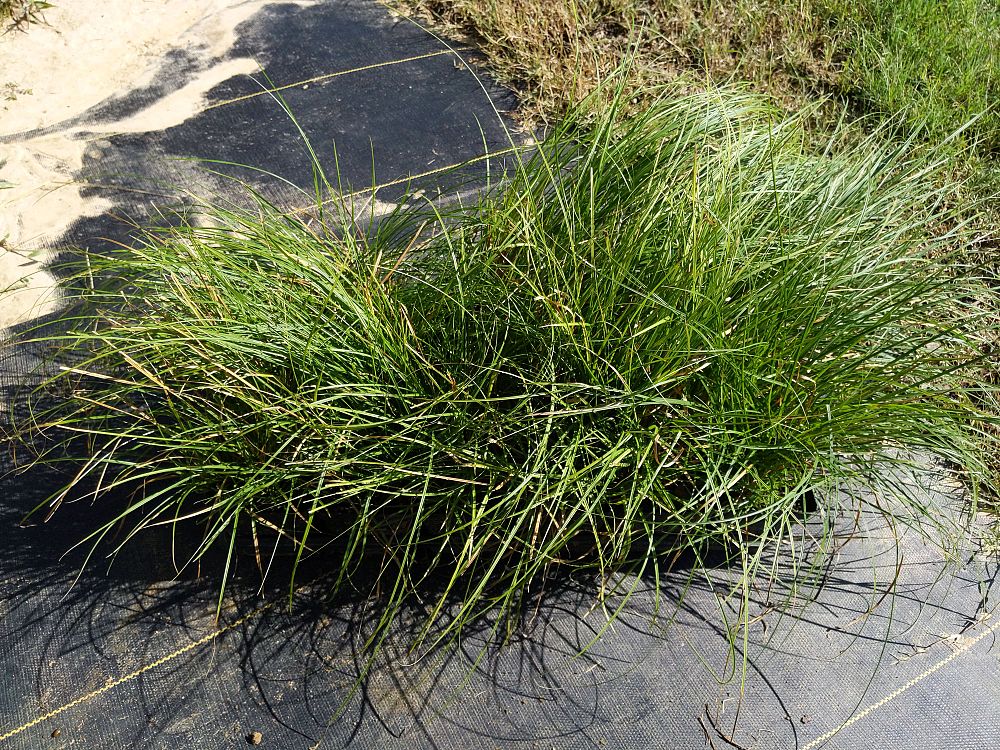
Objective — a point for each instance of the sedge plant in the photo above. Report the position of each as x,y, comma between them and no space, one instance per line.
660,332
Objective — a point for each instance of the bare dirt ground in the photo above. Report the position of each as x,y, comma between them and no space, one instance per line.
51,75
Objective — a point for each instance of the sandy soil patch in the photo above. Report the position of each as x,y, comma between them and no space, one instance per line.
50,76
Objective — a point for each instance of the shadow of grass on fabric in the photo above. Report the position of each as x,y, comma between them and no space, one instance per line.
678,651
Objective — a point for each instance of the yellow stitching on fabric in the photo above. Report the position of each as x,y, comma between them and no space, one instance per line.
409,178
132,675
328,76
431,172
900,690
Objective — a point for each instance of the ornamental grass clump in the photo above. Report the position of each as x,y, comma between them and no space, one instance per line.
659,333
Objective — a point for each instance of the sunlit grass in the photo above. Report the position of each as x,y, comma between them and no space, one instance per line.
662,332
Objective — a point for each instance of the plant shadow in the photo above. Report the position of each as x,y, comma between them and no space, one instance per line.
677,660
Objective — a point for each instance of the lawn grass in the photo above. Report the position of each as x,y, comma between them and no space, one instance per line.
668,331
934,63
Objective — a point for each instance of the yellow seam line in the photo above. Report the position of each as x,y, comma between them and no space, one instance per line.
328,76
132,675
409,178
430,172
899,691
354,194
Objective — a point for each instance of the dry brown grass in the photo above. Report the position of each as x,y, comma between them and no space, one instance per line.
554,53
555,58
